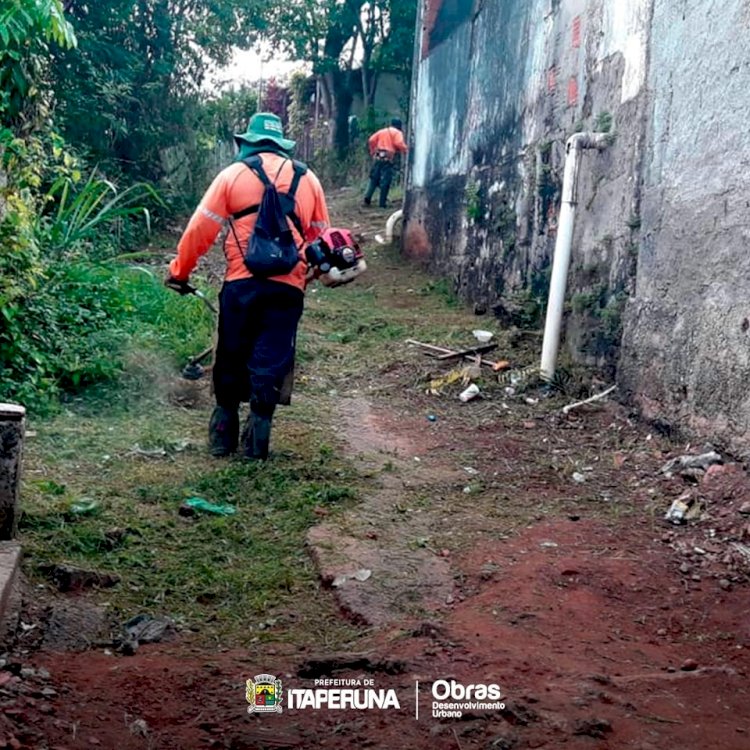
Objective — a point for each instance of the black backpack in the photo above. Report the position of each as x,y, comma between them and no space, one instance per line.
271,249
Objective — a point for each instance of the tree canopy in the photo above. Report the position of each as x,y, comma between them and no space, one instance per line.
349,43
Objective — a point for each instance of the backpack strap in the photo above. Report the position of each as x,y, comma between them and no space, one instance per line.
300,170
255,164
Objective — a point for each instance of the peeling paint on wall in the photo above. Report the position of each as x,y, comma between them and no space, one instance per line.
660,248
494,104
625,30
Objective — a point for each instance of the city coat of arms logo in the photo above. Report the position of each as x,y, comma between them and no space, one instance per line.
264,694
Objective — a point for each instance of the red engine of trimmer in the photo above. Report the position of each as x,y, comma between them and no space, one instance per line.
337,257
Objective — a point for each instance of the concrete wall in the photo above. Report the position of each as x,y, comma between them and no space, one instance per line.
494,103
660,272
686,353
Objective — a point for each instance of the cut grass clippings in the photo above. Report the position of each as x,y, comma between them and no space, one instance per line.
219,574
134,450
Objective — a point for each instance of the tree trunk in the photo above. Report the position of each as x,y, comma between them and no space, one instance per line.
338,84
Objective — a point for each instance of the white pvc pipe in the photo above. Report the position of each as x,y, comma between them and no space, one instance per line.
391,224
563,248
393,219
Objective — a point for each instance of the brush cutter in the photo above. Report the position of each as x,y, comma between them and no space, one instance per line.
194,369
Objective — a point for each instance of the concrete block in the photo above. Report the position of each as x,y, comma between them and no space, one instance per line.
10,560
12,423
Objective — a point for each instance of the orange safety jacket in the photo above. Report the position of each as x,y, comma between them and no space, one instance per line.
235,189
389,140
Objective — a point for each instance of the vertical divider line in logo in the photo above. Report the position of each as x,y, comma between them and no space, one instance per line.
416,700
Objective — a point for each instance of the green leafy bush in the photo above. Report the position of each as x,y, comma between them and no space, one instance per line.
83,213
61,335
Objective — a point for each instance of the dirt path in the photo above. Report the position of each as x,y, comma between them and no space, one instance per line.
490,542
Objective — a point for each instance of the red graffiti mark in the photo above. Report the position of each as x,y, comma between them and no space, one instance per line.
552,80
431,11
573,92
576,32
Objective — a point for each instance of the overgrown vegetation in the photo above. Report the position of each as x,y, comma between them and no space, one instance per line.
327,33
68,312
472,195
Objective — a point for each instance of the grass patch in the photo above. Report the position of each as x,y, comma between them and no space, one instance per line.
217,575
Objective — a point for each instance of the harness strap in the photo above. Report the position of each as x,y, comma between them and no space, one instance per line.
255,164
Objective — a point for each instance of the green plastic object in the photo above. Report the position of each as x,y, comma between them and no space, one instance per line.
84,507
198,503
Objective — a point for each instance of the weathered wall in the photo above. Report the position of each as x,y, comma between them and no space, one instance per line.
498,91
686,353
661,271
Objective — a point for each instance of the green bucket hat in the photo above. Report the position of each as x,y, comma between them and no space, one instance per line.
265,126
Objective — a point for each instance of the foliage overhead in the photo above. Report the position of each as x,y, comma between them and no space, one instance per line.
132,87
340,37
26,29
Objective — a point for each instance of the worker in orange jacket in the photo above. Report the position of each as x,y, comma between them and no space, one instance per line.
383,146
258,316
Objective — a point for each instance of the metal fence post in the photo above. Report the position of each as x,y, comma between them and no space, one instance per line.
12,423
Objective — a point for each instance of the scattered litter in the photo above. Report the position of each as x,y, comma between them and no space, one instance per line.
471,470
679,509
431,418
531,401
483,337
519,378
143,629
549,544
139,727
475,353
467,490
470,393
597,397
510,391
454,376
360,575
578,477
193,505
136,450
84,506
684,465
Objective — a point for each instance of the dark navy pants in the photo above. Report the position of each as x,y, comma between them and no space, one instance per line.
381,175
258,321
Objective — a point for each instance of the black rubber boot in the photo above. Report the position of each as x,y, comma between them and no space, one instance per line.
256,436
223,431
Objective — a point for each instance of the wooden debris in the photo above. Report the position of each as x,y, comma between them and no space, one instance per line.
567,409
475,353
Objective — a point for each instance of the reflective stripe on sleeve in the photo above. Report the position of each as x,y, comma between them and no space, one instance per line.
211,215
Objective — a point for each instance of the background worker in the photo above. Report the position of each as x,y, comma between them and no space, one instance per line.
384,145
258,316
